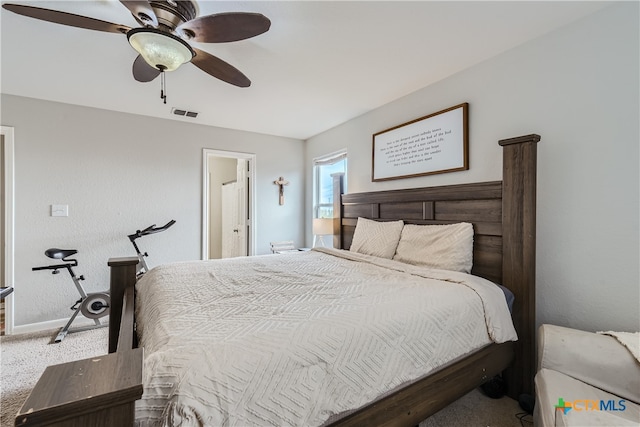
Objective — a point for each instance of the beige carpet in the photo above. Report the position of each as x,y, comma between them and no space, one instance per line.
23,358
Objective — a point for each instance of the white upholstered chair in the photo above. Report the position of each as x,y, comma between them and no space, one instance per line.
585,379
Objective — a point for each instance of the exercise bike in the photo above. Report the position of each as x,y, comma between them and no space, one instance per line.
94,305
142,264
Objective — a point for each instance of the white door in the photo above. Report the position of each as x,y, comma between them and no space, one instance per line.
2,224
230,219
243,170
242,197
7,206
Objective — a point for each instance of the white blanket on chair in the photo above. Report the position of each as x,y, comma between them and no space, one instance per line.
631,340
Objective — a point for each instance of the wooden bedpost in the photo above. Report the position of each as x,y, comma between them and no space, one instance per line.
338,190
519,253
123,276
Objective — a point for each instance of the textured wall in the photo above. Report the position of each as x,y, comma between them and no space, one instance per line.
118,173
578,88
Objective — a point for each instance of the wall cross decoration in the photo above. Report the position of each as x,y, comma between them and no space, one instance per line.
281,182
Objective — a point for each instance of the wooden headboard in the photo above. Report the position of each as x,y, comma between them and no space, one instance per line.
479,204
503,218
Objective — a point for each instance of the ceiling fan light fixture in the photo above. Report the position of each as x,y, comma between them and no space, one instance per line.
159,49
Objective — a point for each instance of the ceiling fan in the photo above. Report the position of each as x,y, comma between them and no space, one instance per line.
166,26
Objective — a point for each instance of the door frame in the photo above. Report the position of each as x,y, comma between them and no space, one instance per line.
207,153
9,223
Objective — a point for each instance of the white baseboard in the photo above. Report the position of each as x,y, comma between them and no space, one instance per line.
55,324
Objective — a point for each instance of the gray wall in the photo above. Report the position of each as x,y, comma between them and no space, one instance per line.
118,173
578,88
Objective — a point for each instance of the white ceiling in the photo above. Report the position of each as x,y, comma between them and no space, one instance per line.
321,63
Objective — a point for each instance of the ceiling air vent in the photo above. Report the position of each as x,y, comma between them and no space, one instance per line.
181,112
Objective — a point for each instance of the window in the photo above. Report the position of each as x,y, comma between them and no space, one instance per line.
323,168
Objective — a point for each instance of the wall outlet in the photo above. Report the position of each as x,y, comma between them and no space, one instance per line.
59,210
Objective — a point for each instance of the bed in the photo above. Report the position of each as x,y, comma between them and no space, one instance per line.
331,291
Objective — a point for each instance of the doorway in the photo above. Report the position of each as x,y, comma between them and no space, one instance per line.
6,225
228,203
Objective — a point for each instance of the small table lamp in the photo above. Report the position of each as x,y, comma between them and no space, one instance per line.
321,227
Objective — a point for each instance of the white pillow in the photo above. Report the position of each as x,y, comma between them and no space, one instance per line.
377,238
446,247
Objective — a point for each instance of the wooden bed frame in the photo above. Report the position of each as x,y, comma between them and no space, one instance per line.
503,215
504,222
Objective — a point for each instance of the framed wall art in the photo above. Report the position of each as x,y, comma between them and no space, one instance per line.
432,144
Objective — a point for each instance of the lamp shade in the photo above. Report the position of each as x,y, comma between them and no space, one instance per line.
159,49
322,226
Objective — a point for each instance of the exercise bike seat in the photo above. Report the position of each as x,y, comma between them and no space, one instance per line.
56,253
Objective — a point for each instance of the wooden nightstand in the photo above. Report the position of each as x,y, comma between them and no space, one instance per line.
86,393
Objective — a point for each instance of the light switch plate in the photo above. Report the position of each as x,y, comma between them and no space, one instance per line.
59,210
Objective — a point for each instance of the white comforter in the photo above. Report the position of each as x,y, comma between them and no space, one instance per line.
291,339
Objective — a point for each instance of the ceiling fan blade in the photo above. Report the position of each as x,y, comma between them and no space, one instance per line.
225,27
142,11
219,69
144,72
65,18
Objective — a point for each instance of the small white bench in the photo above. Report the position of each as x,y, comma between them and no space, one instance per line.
283,246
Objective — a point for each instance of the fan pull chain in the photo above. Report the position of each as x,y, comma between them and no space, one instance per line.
163,92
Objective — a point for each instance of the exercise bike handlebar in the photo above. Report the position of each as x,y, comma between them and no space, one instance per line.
150,230
73,263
